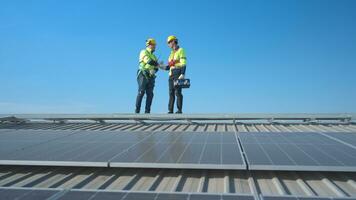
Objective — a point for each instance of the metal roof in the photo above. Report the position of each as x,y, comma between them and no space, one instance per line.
177,127
330,184
343,117
197,181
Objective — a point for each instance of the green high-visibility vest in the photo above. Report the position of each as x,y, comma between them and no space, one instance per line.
145,56
179,57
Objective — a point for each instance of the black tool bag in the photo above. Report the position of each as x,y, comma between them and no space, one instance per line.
181,83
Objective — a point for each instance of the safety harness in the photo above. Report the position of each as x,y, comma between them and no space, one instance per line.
142,69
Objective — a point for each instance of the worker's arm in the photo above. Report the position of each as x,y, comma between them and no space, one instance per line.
162,66
150,61
182,62
182,69
166,67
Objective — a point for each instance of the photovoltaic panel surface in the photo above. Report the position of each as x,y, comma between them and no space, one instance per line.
150,195
344,137
41,194
123,149
11,141
304,198
296,151
184,150
28,194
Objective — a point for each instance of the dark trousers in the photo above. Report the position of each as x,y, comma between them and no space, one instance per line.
145,85
174,91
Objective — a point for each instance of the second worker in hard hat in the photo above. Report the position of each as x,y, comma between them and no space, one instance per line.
177,63
146,75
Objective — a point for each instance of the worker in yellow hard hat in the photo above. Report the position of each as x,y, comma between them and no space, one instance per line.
177,63
146,75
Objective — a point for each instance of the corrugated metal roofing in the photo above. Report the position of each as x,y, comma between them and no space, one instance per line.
331,184
178,127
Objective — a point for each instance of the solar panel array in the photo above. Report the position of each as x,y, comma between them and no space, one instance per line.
296,151
11,141
28,194
148,196
58,194
201,150
343,137
41,194
304,198
123,149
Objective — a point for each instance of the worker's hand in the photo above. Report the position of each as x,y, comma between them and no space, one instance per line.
162,66
171,63
152,72
152,62
181,76
156,64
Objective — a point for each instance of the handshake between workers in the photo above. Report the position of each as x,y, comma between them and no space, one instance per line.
170,66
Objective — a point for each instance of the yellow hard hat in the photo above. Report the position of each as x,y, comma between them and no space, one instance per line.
150,41
170,38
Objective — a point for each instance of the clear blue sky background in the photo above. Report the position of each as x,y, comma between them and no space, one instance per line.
243,56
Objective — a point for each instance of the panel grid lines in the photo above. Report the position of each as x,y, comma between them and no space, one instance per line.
291,142
59,194
183,150
296,151
289,157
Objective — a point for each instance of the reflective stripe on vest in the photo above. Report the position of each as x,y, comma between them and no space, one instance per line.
145,66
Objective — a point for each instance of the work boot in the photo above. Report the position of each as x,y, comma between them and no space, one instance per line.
179,112
137,111
170,112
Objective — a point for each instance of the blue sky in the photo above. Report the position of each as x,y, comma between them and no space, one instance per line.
243,56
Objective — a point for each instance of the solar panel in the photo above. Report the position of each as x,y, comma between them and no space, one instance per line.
304,198
280,198
28,194
296,151
344,137
139,196
39,194
122,149
172,196
4,130
184,150
11,141
77,195
103,195
86,148
220,197
108,195
204,197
